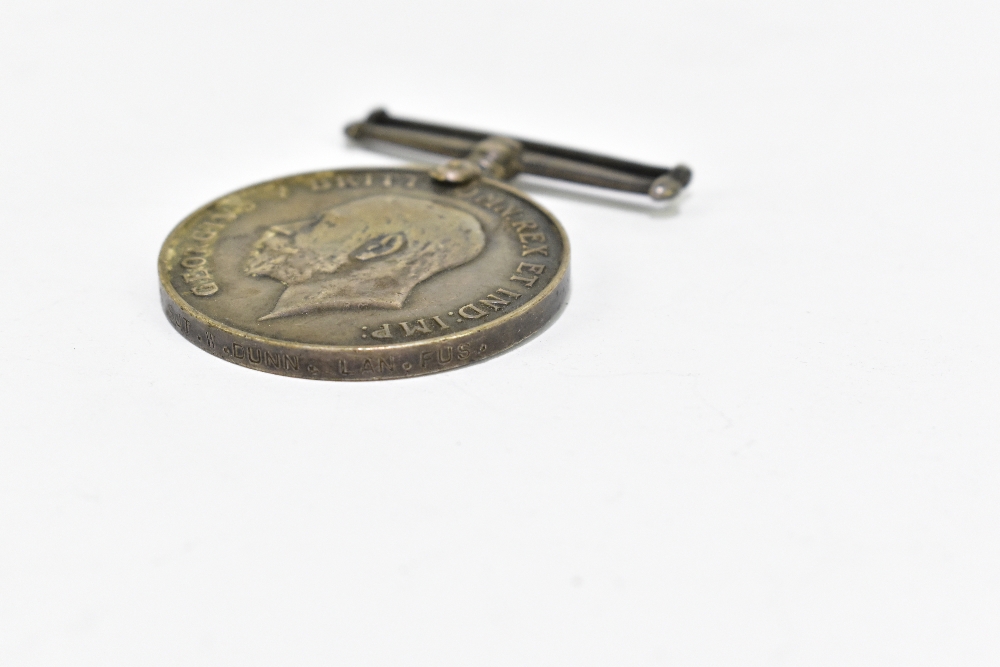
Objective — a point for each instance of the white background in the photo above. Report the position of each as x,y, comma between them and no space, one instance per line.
763,431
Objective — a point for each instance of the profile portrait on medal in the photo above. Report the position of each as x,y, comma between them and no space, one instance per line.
369,252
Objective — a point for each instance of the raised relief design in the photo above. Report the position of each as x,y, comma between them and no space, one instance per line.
369,252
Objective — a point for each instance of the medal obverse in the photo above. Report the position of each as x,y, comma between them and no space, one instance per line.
363,274
368,274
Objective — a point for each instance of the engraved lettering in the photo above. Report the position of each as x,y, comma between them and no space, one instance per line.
273,360
533,268
537,250
181,323
521,225
342,367
425,357
239,351
382,332
528,282
204,235
437,318
507,292
533,237
463,351
421,327
346,181
206,289
254,355
471,312
491,201
537,269
384,365
367,366
442,359
235,205
510,213
196,259
291,362
228,209
494,302
196,275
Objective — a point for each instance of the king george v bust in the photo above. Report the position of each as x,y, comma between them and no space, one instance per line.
369,252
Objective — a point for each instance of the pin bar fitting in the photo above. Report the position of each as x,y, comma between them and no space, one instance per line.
531,157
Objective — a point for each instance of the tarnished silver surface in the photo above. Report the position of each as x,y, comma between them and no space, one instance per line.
364,274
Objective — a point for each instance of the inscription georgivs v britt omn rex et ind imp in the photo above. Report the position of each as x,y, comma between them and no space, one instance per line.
345,246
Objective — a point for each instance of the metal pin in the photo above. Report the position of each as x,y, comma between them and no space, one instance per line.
482,153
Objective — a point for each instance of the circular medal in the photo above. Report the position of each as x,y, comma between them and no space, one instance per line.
364,274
